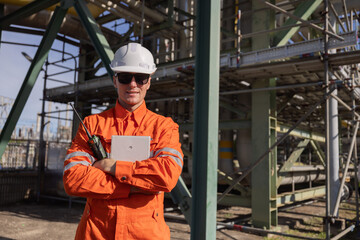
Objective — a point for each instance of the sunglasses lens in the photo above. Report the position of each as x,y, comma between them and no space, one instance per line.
124,78
140,78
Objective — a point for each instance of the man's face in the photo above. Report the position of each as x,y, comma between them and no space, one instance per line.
131,95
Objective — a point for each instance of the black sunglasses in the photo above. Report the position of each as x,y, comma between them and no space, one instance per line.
125,78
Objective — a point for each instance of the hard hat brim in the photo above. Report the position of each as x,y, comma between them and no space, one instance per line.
132,69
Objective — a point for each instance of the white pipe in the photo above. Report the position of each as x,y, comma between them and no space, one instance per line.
334,152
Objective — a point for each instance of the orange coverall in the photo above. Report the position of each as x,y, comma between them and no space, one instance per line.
111,212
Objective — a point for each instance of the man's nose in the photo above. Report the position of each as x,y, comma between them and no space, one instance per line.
133,82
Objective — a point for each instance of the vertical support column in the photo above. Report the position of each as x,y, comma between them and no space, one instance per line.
263,177
263,123
327,121
273,155
1,15
31,76
204,181
84,108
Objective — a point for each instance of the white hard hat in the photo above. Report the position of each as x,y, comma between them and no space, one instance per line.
133,58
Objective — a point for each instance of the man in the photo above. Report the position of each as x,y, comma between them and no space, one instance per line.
125,199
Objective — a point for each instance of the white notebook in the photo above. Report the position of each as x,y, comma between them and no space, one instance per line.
130,148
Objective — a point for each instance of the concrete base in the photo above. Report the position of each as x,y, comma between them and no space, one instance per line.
336,227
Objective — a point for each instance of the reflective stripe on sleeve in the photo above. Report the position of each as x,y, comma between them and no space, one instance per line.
80,154
70,165
177,159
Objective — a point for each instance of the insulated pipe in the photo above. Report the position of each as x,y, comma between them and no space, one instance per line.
70,26
334,151
226,153
302,177
147,11
117,10
243,139
157,17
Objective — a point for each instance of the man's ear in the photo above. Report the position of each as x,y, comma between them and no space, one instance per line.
114,81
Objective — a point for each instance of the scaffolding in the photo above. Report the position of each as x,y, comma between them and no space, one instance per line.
312,64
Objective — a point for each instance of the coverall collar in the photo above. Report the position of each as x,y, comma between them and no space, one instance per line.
138,114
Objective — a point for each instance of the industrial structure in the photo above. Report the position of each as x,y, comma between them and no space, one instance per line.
274,84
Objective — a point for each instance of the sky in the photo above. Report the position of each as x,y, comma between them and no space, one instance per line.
14,67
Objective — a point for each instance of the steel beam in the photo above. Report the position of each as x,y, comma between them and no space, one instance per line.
27,10
205,161
32,75
229,180
281,199
301,195
291,160
235,200
304,10
181,196
316,147
233,109
97,37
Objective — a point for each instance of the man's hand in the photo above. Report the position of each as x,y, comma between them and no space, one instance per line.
107,165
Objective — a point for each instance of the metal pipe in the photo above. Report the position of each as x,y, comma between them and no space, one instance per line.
272,88
42,143
345,170
248,35
337,16
142,23
346,15
303,21
345,105
343,233
262,157
59,73
243,228
59,81
116,9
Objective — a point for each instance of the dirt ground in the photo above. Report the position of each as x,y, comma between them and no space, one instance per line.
55,220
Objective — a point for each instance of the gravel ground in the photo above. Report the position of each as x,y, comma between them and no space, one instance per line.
55,220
